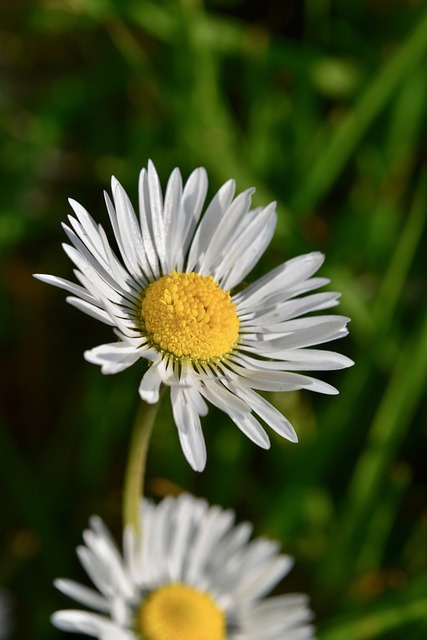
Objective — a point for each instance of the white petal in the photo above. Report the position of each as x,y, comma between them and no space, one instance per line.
188,513
210,531
284,277
71,287
290,309
250,426
87,229
96,274
189,429
149,388
156,214
172,221
293,362
115,357
193,199
209,223
269,414
243,255
260,581
146,225
91,310
89,623
317,332
82,594
129,230
225,234
222,398
267,380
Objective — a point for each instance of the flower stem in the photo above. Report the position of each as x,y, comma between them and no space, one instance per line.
135,469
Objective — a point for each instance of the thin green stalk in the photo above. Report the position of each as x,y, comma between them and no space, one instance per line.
135,468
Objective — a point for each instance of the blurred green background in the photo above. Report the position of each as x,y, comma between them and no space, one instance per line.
322,106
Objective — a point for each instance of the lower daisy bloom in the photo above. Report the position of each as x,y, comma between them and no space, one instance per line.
192,575
172,302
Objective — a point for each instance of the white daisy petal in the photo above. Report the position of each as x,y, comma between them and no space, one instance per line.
193,199
253,241
222,398
114,357
87,231
269,414
166,295
129,264
97,276
146,225
189,429
149,388
129,229
197,551
283,278
90,624
83,595
250,426
289,310
91,310
225,235
209,223
184,515
75,289
212,528
156,210
173,229
263,579
118,272
321,362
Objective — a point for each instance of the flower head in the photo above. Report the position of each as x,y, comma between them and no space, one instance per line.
171,301
192,575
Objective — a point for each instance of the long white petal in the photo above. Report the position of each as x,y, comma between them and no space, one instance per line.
82,594
193,199
91,624
209,223
71,287
243,255
189,429
146,225
269,414
226,233
115,357
279,312
172,222
149,388
129,229
156,214
91,310
281,279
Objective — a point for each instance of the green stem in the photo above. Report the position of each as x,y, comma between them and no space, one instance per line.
135,469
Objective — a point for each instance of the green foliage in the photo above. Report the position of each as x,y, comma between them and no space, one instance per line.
320,105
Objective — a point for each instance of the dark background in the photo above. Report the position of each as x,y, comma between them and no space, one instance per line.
322,106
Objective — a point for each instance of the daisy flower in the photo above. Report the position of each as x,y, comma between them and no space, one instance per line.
172,301
192,575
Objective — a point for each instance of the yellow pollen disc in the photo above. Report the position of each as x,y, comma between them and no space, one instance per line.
179,612
189,316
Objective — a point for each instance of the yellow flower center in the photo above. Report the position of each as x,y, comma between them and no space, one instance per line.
179,612
189,316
